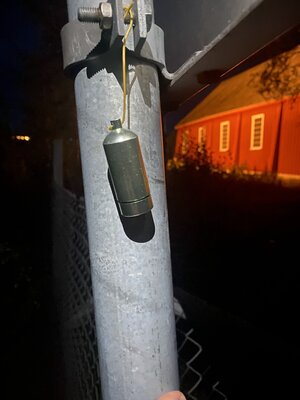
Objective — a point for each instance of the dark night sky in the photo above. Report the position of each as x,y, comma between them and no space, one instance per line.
20,38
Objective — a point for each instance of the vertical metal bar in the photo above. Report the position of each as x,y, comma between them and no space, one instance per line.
58,175
131,272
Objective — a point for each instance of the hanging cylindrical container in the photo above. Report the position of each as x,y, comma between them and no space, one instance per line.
127,171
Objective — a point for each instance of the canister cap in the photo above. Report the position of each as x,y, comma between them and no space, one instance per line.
136,208
116,124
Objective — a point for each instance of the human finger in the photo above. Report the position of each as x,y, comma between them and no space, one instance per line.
175,395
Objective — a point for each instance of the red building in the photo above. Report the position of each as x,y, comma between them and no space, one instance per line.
241,128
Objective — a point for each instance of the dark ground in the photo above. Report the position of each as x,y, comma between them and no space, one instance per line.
25,257
235,253
235,250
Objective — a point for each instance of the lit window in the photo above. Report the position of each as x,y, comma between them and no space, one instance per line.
257,131
201,137
224,135
185,142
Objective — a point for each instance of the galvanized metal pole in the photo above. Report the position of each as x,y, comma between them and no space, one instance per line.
130,258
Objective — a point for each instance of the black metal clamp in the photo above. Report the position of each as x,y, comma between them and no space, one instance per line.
96,45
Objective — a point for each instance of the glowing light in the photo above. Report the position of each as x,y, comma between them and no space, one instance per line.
21,137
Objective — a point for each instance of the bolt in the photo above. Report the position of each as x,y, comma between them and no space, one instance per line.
148,14
89,14
101,15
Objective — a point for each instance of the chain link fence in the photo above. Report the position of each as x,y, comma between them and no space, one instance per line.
74,302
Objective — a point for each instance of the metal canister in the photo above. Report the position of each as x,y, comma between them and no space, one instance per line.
127,171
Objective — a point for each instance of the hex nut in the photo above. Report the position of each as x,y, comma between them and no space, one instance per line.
106,13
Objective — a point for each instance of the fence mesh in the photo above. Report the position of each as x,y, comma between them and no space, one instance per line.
74,300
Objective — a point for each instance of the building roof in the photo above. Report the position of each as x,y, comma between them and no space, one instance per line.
230,94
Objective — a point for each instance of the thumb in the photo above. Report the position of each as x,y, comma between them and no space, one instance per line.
173,396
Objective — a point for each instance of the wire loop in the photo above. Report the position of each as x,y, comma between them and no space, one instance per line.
127,10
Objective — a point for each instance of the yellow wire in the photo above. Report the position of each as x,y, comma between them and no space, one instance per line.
128,10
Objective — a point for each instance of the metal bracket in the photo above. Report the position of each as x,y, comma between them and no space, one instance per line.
86,45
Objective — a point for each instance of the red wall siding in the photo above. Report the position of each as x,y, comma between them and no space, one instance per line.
259,160
192,138
207,125
225,159
178,141
240,137
289,150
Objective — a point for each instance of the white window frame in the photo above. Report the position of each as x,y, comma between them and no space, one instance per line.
253,119
222,124
201,137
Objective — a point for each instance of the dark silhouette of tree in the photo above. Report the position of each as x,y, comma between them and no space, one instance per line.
280,77
4,117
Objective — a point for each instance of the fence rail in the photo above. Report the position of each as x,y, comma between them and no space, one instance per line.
74,301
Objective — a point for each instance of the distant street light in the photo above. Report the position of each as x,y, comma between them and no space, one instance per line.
26,138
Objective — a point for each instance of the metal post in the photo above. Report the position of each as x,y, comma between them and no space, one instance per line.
130,257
